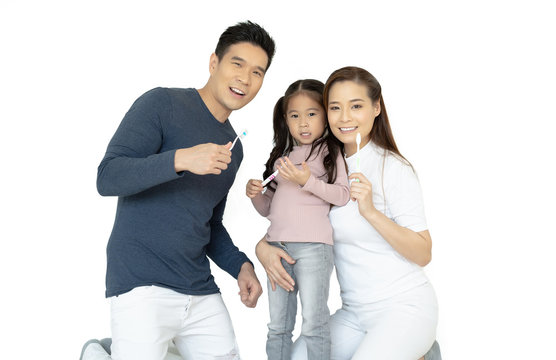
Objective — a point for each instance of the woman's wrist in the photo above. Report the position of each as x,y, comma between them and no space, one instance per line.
372,215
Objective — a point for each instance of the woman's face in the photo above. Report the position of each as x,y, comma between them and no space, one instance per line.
351,111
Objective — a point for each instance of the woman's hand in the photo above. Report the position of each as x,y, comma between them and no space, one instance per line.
253,188
290,172
362,191
270,257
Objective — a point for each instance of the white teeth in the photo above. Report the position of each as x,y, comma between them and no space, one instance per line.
347,129
305,134
237,91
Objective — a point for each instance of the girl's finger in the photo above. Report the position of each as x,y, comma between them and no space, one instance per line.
283,166
289,162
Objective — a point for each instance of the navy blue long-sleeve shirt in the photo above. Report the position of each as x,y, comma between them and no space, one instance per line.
167,223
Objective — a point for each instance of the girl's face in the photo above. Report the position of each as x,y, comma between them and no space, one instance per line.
305,118
351,111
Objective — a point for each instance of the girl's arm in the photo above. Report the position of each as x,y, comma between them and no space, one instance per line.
335,194
260,201
414,246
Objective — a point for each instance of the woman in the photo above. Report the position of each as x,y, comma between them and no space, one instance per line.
381,241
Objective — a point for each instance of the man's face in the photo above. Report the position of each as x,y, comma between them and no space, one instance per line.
236,78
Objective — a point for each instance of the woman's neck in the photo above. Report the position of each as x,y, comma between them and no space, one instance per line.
351,148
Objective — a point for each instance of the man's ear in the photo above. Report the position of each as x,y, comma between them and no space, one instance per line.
213,63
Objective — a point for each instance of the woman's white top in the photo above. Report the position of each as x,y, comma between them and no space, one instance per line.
368,268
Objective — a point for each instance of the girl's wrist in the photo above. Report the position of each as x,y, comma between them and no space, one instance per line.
304,180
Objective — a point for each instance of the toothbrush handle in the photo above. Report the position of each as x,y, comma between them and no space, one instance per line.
270,178
234,143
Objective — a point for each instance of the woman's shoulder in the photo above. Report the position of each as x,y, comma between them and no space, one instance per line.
397,166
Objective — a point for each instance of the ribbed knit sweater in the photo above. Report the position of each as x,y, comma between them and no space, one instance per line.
300,213
167,223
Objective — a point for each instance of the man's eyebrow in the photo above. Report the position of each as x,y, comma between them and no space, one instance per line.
237,58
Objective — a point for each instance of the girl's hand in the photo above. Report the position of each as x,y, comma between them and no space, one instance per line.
270,257
291,173
362,191
253,188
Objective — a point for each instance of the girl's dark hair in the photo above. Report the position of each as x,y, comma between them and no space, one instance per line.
381,133
283,140
246,32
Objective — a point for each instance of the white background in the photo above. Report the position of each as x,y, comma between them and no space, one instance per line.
469,88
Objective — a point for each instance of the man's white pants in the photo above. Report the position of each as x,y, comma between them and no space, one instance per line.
146,319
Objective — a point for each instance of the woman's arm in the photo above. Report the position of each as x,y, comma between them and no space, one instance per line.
414,246
270,257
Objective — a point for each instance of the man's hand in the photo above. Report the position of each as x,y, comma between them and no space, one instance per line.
203,159
249,286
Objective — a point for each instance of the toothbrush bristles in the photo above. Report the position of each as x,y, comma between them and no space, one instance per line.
240,136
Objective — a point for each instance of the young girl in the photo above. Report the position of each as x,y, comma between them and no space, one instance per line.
312,175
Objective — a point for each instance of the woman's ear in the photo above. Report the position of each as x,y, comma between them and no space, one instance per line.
377,108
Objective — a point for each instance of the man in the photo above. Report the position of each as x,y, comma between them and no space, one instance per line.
171,166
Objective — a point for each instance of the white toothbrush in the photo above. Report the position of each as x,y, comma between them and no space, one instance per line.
358,142
270,178
240,136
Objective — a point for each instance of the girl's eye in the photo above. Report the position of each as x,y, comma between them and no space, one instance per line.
312,114
357,106
334,107
294,116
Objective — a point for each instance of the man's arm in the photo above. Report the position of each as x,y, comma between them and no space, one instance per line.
132,162
227,256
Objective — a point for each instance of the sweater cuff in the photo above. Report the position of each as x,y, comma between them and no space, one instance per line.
309,185
242,261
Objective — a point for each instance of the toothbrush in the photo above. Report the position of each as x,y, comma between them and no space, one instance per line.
270,178
358,142
240,136
357,157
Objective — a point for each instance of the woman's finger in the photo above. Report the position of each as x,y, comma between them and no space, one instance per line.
359,176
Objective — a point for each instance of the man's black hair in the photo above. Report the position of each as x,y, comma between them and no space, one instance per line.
246,32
